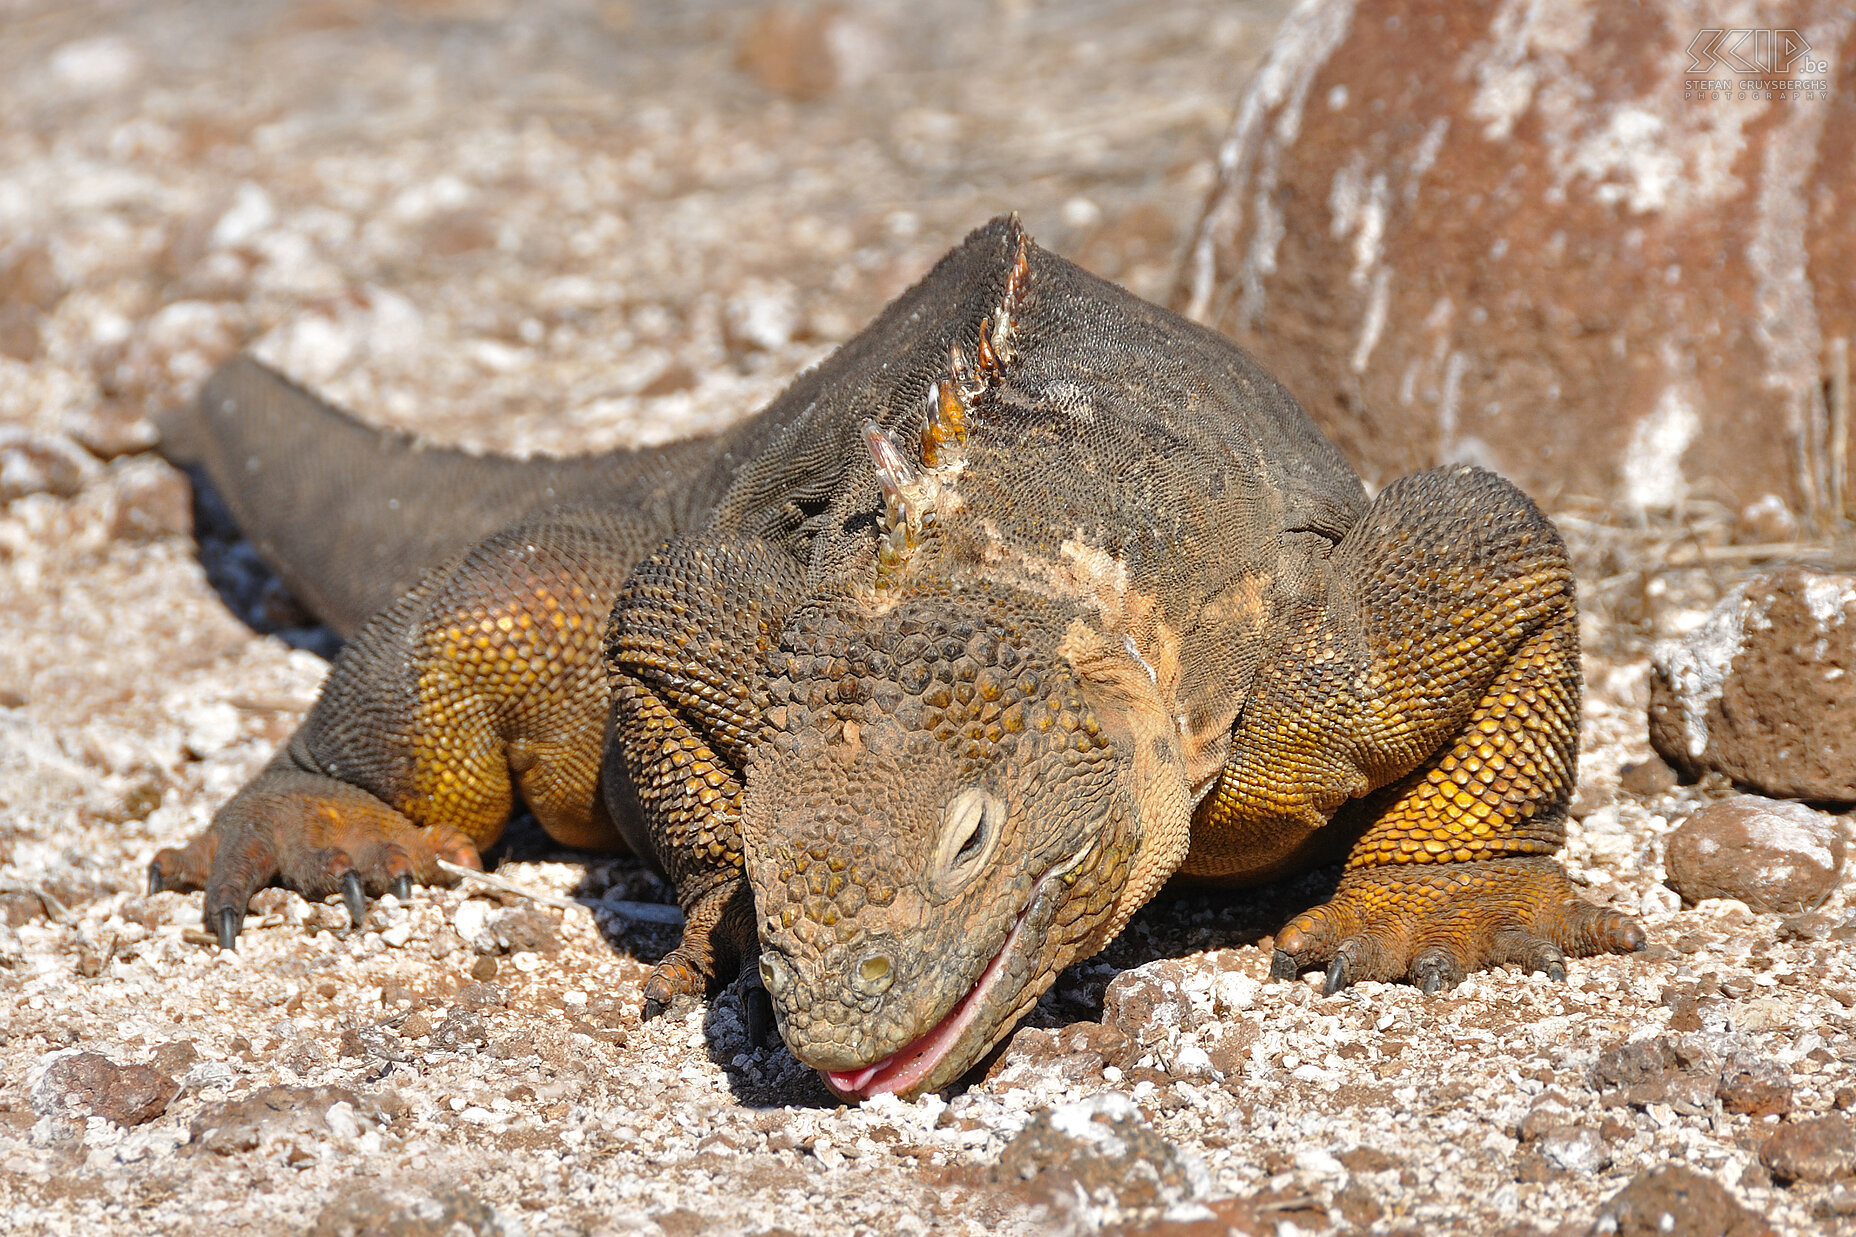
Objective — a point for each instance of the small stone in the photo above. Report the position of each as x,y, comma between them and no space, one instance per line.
1673,1201
341,1121
90,1083
1771,855
1574,1149
1109,1043
1839,1204
1366,1160
1233,992
483,968
176,1057
1357,1204
1818,1150
149,499
1765,690
1754,1086
461,1029
282,1113
1647,778
1633,1061
40,464
108,429
1190,1061
762,316
373,1041
1148,1004
480,996
1543,1118
1035,1056
211,727
527,930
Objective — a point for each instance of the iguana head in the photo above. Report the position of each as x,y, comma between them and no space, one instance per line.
970,774
935,827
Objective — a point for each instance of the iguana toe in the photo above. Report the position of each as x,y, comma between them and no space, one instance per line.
1433,924
310,833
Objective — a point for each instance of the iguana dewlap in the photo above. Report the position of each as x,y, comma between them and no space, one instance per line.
920,682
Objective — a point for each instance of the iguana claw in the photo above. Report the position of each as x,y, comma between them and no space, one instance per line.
1337,977
354,897
230,921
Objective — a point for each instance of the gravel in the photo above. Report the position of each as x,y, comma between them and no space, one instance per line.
550,227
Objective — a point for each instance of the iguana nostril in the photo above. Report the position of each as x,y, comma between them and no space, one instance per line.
774,977
876,972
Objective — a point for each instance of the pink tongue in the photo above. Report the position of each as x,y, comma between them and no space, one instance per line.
904,1068
912,1063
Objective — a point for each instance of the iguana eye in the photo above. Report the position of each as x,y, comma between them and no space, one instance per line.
969,828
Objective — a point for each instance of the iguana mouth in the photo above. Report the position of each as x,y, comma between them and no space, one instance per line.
908,1066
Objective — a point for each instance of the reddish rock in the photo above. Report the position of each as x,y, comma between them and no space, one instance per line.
1520,235
1633,1061
1097,1144
1773,856
1818,1150
1755,1086
1034,1056
90,1084
1765,690
1673,1201
1148,1004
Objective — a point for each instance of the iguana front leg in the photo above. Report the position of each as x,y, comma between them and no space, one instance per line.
1432,666
686,641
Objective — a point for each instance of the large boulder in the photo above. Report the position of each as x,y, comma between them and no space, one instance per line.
1764,690
1527,236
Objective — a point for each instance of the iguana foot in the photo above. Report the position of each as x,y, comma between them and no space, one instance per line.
311,834
1433,923
718,926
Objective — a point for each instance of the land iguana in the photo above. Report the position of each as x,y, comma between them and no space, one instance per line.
918,684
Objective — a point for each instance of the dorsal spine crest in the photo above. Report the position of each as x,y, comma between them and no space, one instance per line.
909,498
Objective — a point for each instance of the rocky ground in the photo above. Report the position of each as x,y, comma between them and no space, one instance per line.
554,226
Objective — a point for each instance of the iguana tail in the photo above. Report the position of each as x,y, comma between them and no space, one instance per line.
350,516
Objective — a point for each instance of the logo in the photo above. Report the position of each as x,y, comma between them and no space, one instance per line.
1750,51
